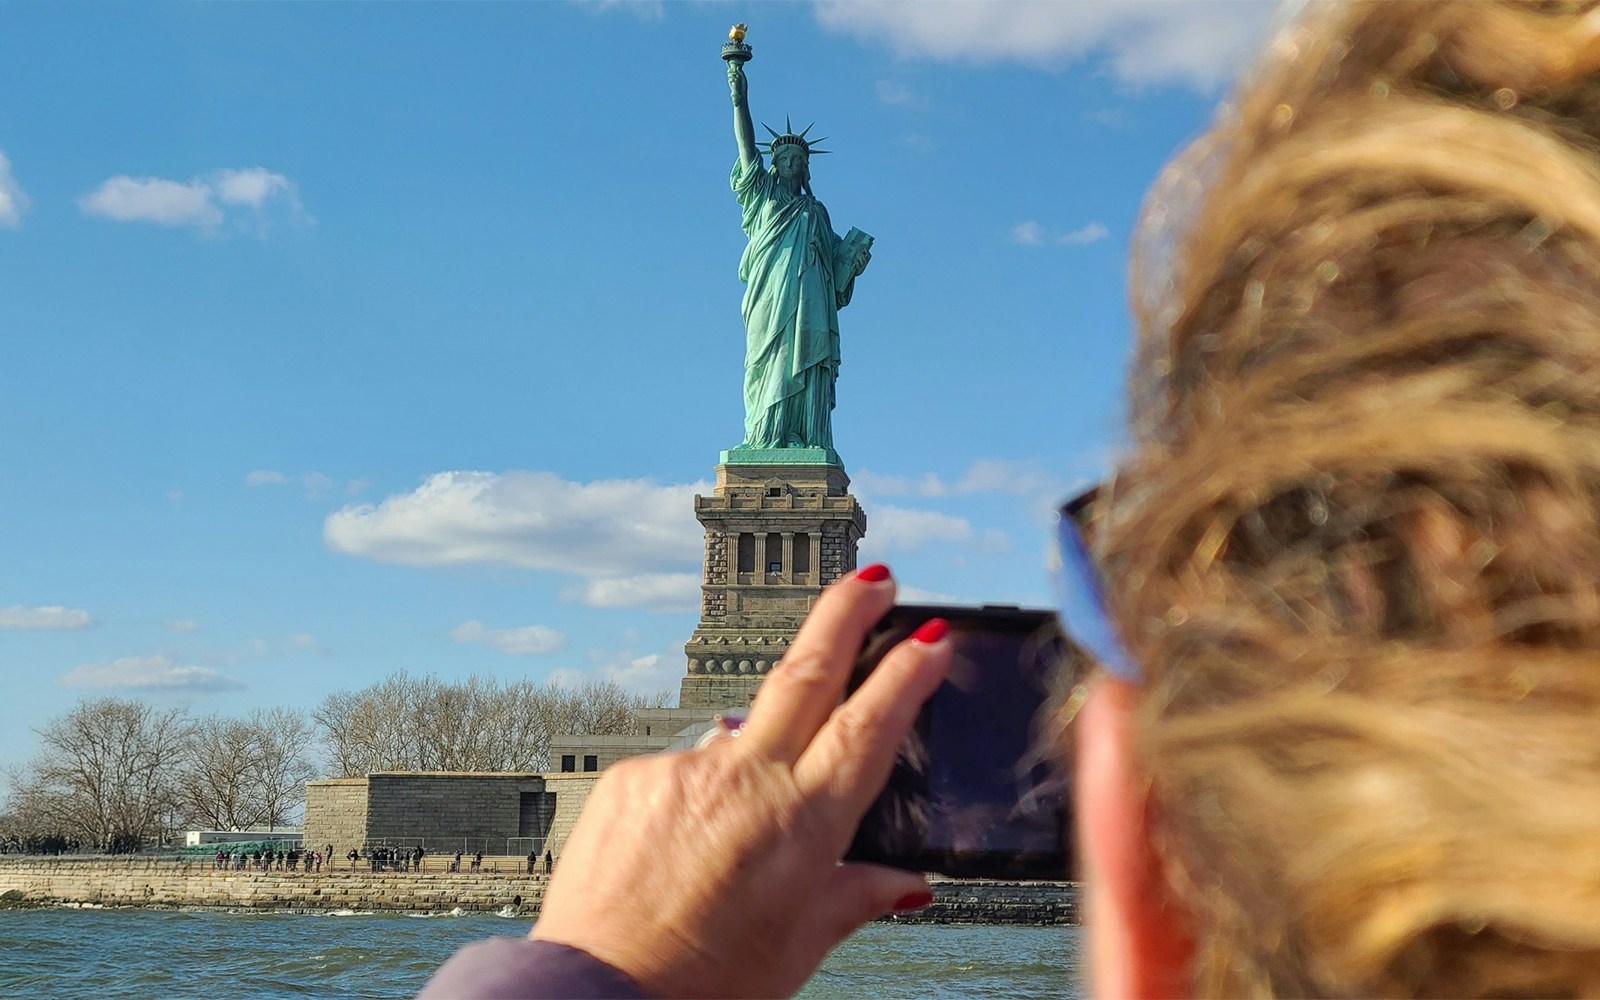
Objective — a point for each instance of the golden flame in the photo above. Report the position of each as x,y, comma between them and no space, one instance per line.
736,33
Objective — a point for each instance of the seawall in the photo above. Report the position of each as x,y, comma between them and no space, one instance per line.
163,883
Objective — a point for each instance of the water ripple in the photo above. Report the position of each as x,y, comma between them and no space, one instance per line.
252,955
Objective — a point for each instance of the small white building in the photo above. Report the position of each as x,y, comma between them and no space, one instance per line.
200,838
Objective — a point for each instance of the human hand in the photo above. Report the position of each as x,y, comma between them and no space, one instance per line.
716,872
737,82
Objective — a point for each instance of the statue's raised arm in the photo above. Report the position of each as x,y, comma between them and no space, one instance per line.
744,130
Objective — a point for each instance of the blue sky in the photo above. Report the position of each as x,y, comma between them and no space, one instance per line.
343,339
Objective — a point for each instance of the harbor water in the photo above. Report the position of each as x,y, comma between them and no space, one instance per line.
71,952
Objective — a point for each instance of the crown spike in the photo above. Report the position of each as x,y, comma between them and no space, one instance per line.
807,129
788,126
769,130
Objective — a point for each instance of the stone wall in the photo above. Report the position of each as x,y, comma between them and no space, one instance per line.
721,690
441,808
670,721
571,792
170,884
974,902
336,813
606,750
163,883
442,811
798,527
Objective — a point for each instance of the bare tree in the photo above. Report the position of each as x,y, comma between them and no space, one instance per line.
287,742
242,774
107,773
479,724
215,775
367,730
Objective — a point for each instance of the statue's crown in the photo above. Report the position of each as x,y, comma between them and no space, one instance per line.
792,138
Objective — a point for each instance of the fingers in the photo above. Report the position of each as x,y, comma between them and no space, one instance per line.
850,759
797,697
860,892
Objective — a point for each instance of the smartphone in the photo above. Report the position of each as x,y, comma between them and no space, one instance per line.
979,788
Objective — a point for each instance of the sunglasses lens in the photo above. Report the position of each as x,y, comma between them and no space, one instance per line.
1082,607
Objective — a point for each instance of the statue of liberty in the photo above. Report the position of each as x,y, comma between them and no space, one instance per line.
798,274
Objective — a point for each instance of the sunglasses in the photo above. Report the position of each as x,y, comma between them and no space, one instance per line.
1083,606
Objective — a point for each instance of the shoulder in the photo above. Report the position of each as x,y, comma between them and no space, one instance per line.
519,967
751,177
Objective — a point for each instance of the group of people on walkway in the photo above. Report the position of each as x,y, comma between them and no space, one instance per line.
391,859
378,859
292,859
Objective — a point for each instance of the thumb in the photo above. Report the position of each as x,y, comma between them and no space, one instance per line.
859,892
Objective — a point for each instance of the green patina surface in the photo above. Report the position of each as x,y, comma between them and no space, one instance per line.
798,274
781,456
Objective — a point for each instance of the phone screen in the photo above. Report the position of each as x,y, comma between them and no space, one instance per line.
979,789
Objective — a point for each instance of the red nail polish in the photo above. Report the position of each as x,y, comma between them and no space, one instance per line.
913,901
876,573
931,630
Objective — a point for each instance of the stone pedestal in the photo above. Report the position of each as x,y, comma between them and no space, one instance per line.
776,534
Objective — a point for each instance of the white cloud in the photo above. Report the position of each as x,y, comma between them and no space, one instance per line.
184,625
148,673
625,531
1091,233
198,202
1198,43
48,616
1032,233
265,477
530,640
1024,477
252,187
153,199
905,529
1028,233
13,202
643,674
1015,477
651,591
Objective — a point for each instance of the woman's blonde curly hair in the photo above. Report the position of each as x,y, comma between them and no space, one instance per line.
1357,543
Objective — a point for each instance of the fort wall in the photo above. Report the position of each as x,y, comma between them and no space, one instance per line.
165,883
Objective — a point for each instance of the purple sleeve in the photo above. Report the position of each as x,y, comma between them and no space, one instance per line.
505,968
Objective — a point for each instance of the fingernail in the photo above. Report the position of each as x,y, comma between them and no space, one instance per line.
913,901
876,573
731,722
931,630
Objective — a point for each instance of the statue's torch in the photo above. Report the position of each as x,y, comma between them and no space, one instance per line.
736,50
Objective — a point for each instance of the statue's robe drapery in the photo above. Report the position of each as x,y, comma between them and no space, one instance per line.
792,299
